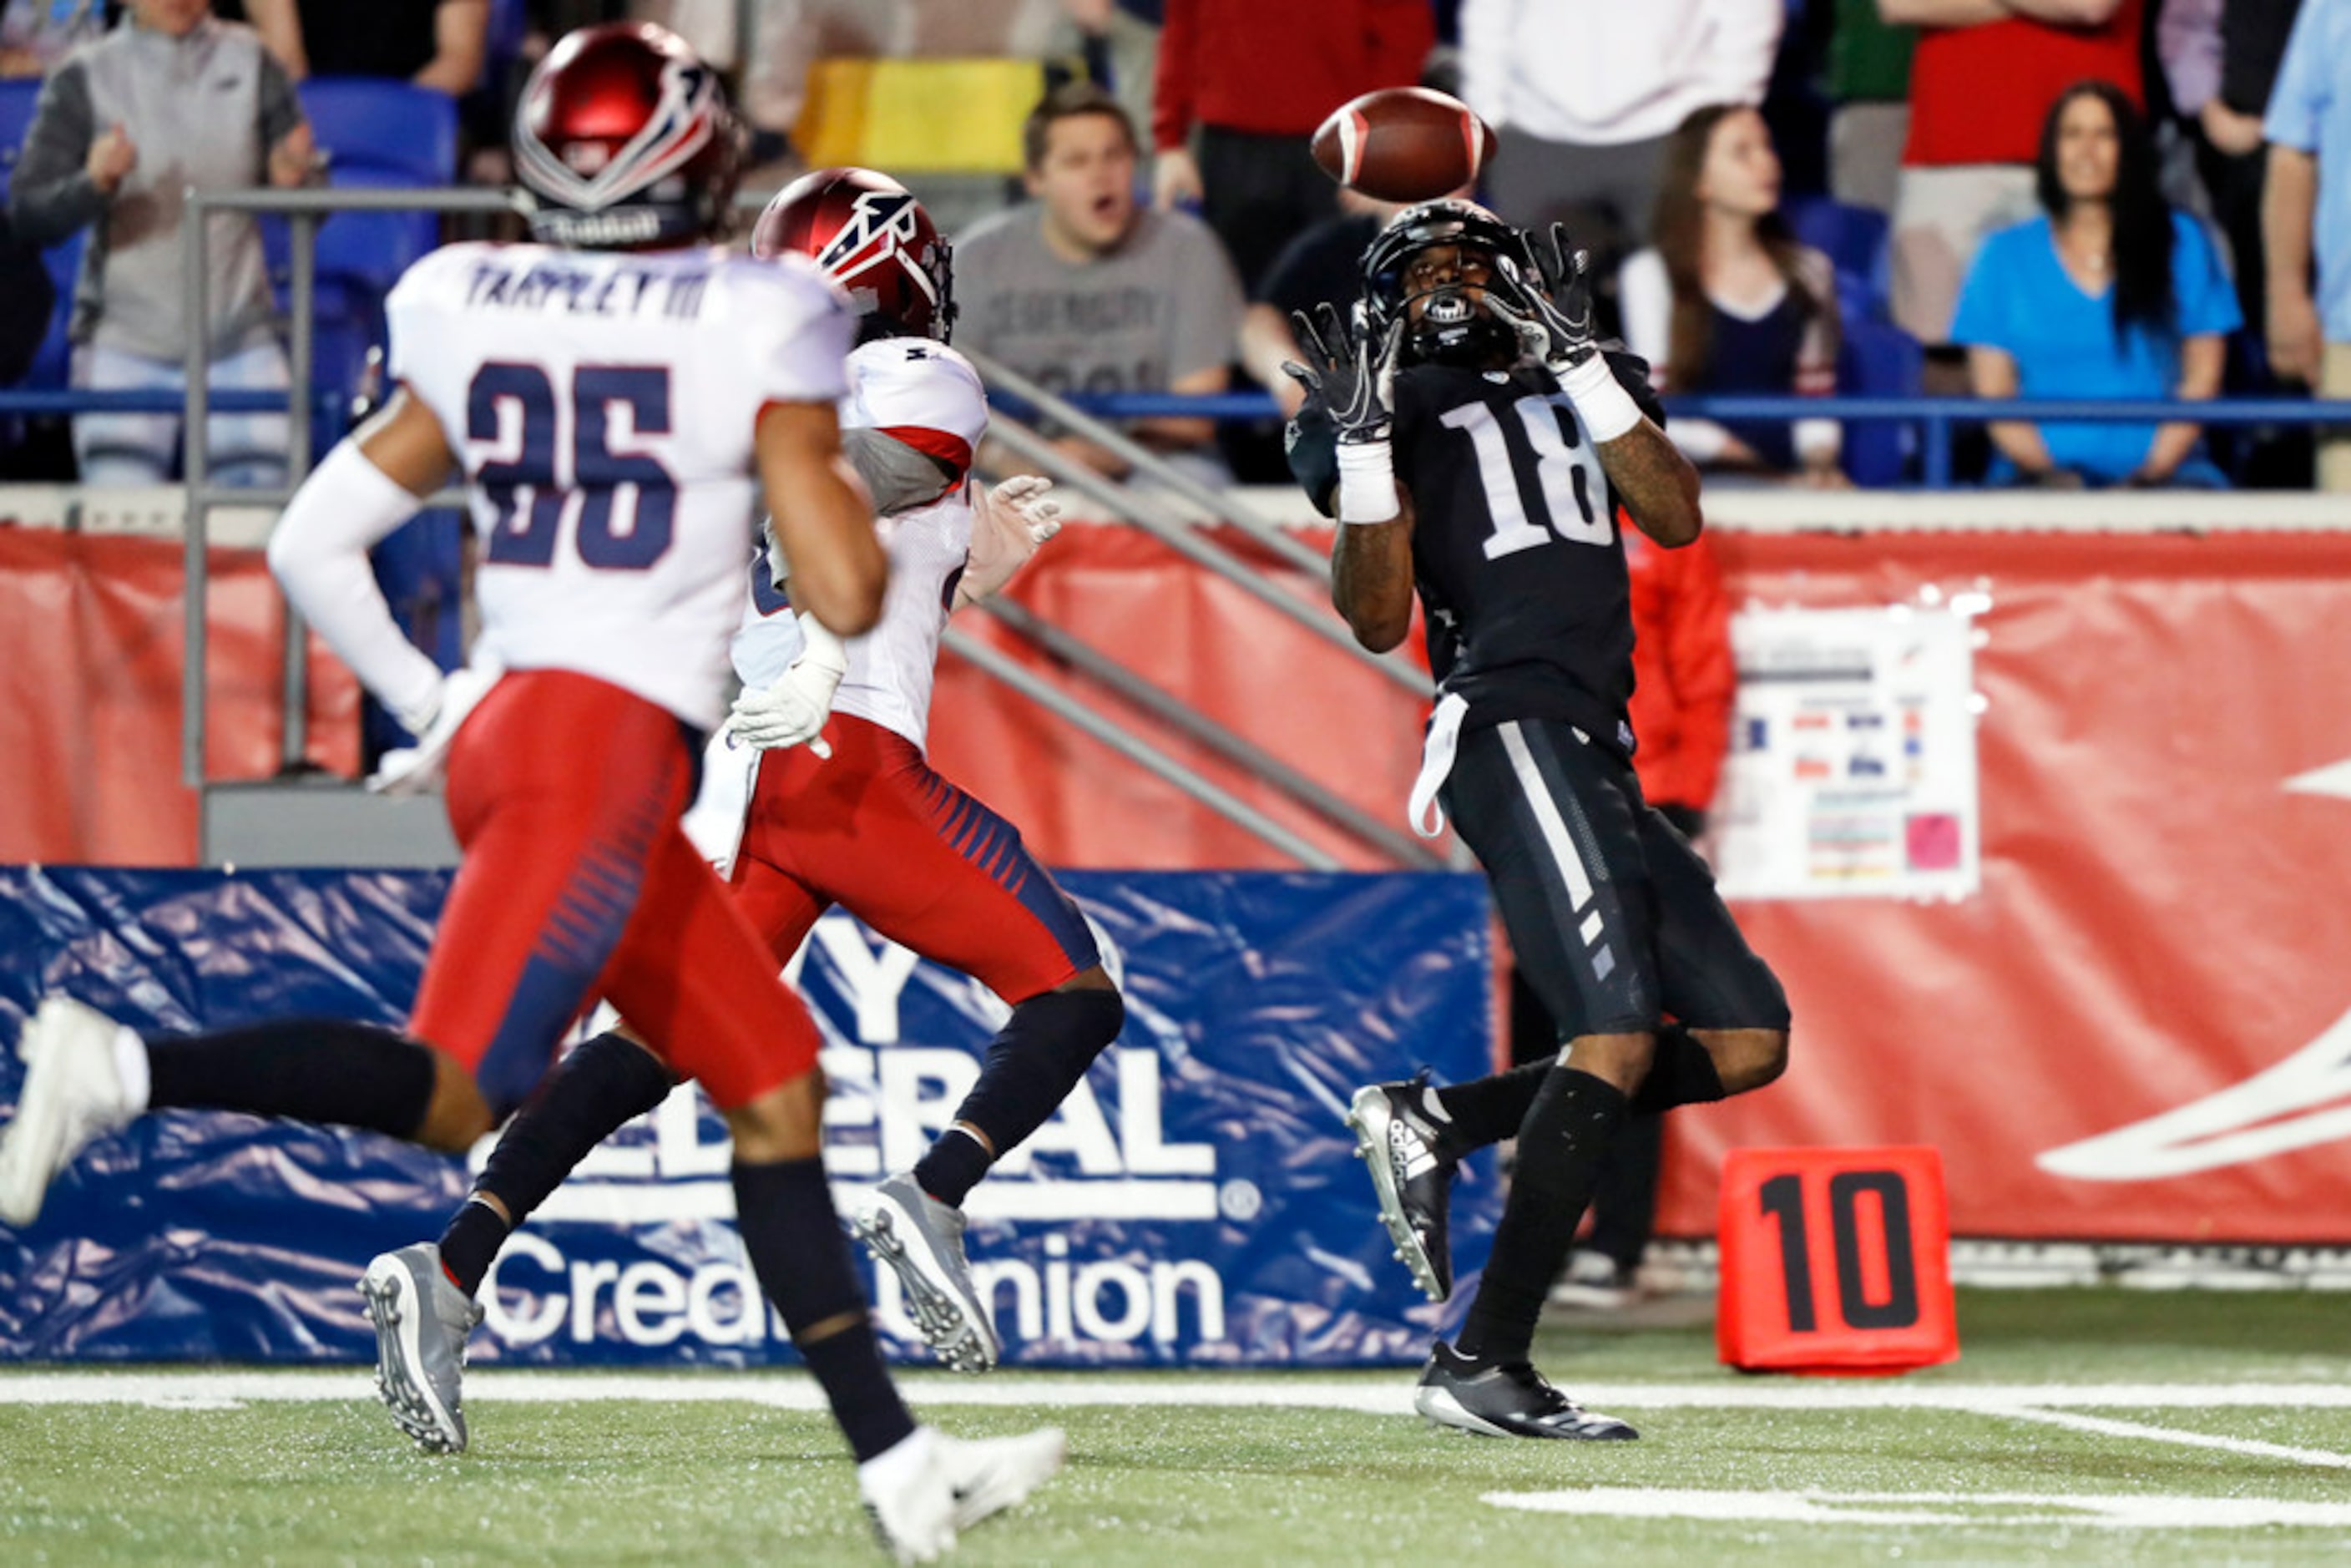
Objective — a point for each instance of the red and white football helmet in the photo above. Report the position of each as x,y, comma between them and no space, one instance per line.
873,238
624,138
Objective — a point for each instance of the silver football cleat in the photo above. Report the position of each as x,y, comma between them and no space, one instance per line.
921,1240
422,1322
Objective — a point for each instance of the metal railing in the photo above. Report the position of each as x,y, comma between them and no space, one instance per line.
306,209
1936,418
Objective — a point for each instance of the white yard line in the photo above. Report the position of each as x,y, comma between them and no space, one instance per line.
2156,1511
1373,1393
2107,1427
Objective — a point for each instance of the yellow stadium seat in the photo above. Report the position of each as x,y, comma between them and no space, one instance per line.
948,117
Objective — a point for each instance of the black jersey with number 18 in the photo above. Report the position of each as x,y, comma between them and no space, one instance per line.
1520,572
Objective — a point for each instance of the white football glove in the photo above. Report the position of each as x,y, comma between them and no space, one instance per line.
1008,522
792,710
413,770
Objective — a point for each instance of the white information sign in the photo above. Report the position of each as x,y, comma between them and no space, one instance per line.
1853,757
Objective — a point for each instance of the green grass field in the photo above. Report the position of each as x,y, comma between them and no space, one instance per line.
2009,1456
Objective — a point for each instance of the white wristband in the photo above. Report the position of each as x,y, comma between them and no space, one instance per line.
1368,486
1606,409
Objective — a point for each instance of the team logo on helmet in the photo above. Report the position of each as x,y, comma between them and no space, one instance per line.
881,224
584,174
871,236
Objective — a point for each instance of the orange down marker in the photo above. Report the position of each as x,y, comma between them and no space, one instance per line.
1835,1261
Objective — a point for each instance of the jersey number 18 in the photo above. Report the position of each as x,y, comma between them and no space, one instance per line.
1567,468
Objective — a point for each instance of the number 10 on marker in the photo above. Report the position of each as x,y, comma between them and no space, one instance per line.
1835,1261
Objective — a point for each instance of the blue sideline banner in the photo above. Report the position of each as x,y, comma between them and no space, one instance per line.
1193,1204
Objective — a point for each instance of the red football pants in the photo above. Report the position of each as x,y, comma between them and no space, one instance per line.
565,793
876,831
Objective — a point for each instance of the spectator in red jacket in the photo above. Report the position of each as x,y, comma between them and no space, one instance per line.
1684,678
1250,81
1684,681
1981,81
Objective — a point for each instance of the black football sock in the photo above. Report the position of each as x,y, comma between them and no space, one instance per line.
800,1255
329,1071
1035,1060
1574,1118
587,1097
1682,1073
1488,1109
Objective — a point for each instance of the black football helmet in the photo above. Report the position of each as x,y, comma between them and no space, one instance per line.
1453,329
873,238
624,140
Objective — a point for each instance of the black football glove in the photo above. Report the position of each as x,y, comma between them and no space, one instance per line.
1350,369
1552,311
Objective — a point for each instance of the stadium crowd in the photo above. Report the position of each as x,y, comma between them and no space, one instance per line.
1782,196
2068,198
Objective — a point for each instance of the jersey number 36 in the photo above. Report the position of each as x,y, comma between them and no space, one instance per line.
1573,485
609,536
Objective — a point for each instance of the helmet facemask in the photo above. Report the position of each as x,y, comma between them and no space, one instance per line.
1447,319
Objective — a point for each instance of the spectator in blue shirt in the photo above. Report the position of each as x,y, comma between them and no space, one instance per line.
2306,206
2110,295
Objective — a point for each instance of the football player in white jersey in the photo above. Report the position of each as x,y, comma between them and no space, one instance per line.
617,399
857,817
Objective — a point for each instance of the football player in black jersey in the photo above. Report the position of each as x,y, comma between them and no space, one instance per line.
1485,446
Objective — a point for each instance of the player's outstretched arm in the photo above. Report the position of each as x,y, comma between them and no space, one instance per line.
1349,370
822,517
1552,313
1657,485
1371,577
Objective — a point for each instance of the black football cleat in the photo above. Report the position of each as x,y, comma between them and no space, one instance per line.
1506,1400
1397,1142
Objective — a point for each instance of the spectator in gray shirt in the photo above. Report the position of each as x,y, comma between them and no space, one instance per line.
1085,291
172,98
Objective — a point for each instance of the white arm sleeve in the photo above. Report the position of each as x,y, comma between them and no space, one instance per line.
319,553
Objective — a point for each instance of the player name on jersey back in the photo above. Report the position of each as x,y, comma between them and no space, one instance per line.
559,284
603,406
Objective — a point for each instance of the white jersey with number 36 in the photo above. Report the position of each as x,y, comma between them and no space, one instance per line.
602,407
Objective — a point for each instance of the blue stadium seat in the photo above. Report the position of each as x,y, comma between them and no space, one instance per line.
509,21
1853,239
384,126
377,133
63,259
17,95
1877,359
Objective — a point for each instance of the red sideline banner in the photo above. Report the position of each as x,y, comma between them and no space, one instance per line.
2137,1026
91,643
2134,1025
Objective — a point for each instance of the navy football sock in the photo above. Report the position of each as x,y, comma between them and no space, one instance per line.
1573,1119
589,1095
1038,1056
800,1255
328,1071
953,1166
471,1244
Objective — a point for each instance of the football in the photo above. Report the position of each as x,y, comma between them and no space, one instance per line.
1404,144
